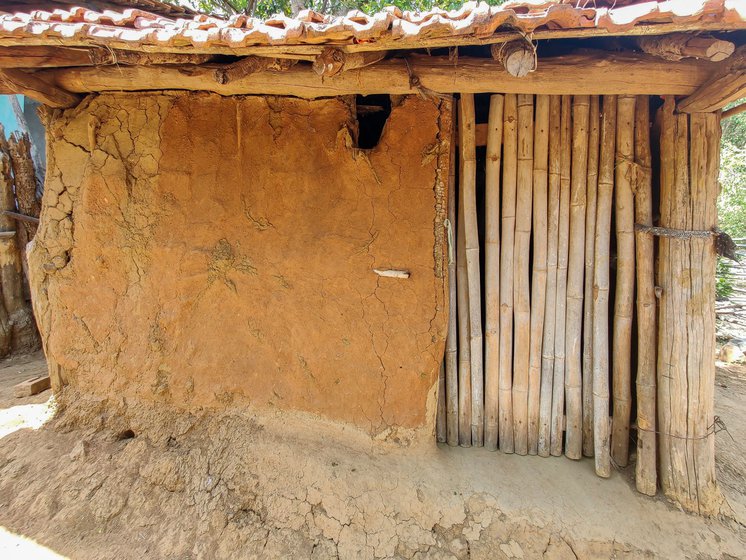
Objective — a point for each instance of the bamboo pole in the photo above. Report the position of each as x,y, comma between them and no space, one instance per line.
492,272
440,418
452,336
547,350
510,163
594,131
522,249
464,355
468,180
538,267
601,281
645,467
625,281
575,285
558,396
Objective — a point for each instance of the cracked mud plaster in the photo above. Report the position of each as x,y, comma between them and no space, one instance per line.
206,251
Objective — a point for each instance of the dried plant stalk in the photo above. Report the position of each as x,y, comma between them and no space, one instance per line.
645,467
492,272
601,435
594,134
575,286
553,204
624,302
538,267
510,164
521,285
558,393
467,137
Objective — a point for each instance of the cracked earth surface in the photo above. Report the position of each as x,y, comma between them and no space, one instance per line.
233,485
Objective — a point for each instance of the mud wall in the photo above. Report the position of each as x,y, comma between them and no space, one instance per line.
207,252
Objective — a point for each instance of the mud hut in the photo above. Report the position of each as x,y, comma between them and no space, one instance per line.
494,226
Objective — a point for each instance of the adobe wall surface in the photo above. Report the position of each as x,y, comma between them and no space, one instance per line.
211,252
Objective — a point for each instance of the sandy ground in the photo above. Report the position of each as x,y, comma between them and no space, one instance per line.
93,485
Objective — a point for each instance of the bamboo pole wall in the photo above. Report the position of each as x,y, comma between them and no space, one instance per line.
568,274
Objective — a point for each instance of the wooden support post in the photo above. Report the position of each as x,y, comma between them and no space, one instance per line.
510,166
690,151
575,286
601,428
594,135
451,357
645,467
521,285
625,280
538,268
550,308
492,272
37,88
558,392
468,181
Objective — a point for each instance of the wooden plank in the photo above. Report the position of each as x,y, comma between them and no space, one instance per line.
37,88
32,386
727,84
593,73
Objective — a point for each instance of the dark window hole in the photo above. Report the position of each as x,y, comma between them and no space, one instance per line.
372,113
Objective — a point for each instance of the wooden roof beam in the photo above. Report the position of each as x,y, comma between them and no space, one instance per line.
728,84
572,74
685,45
30,85
45,56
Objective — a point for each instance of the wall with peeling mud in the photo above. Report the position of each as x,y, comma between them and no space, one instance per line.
213,252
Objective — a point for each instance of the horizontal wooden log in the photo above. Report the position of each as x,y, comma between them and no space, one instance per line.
573,74
737,110
37,88
46,56
726,85
682,45
21,217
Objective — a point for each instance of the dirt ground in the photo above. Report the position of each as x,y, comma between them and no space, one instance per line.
91,484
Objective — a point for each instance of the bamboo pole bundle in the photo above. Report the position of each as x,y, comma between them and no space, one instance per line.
492,272
451,357
604,204
464,355
558,392
522,249
467,137
547,349
575,285
510,163
645,467
538,267
686,274
594,130
625,281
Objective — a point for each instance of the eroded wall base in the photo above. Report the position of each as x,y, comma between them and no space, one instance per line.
210,252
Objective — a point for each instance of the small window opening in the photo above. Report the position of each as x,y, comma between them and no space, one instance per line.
372,113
